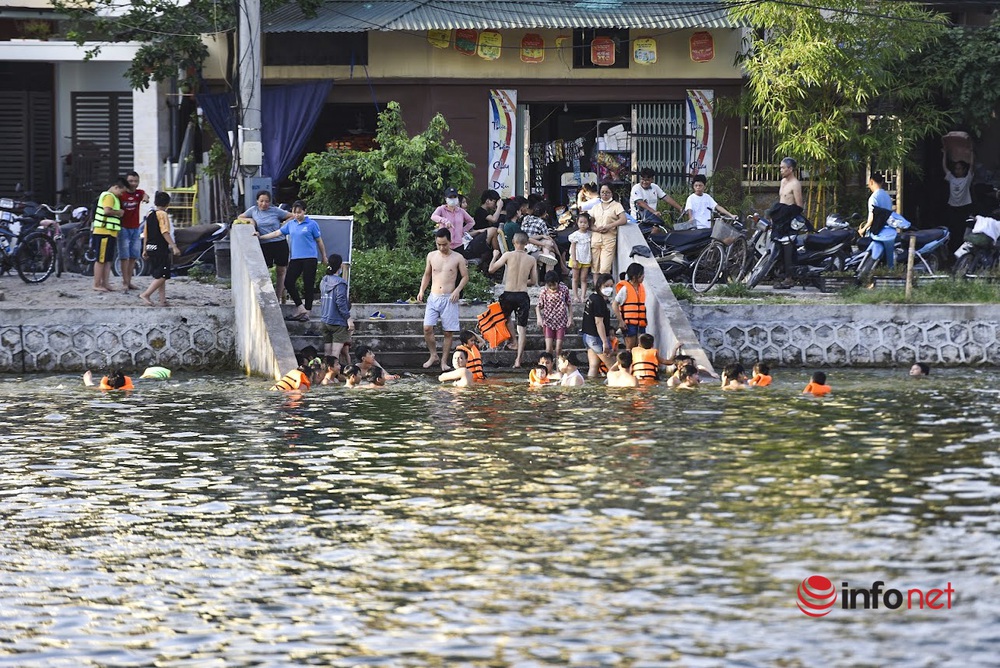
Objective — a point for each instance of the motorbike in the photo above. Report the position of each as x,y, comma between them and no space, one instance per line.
981,249
197,246
677,251
815,253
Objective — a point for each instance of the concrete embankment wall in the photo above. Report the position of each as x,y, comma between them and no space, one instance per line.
200,338
263,346
850,335
64,340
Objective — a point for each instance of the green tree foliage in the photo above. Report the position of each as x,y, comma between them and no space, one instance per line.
967,63
170,32
391,190
828,79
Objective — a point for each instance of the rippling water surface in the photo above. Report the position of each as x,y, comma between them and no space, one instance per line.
208,522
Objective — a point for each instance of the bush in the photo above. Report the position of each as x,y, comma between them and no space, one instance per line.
383,276
392,190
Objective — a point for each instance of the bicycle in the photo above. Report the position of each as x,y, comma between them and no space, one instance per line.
724,258
31,253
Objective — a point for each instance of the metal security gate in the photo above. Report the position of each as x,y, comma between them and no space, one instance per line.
26,132
661,139
102,141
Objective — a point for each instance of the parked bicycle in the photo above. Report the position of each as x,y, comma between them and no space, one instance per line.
31,253
725,258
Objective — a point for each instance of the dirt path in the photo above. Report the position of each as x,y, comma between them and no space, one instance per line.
75,291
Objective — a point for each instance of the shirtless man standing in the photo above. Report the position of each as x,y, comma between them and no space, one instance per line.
442,271
790,191
521,271
789,206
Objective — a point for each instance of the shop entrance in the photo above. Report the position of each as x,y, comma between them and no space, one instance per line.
571,144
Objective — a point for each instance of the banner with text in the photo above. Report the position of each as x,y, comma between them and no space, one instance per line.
701,128
503,141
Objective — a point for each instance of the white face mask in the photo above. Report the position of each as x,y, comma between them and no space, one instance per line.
607,292
451,201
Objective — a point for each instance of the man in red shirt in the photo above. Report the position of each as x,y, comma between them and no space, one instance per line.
129,241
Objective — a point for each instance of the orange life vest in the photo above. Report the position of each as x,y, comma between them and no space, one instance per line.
760,381
473,360
817,390
634,309
535,380
493,325
645,363
106,384
293,380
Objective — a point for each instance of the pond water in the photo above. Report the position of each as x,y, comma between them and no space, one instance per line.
208,522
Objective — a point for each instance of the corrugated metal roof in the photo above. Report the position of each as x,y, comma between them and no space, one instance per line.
410,15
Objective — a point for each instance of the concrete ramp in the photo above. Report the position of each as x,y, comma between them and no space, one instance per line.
263,346
666,320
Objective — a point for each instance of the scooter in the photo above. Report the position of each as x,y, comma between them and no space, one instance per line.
677,251
931,246
197,246
872,250
815,253
981,249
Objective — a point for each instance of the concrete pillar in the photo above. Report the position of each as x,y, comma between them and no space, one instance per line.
666,320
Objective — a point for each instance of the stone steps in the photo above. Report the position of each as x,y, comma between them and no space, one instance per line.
399,341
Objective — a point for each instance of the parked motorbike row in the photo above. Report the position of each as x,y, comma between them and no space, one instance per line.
836,247
39,240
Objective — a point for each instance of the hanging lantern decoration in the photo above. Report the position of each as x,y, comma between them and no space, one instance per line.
439,39
532,48
644,51
465,41
602,51
490,45
702,47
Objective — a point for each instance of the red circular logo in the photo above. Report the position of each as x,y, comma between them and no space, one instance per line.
817,595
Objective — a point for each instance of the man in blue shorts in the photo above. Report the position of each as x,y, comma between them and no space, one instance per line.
442,272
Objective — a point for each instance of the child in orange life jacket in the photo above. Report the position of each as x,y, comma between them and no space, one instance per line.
629,304
646,360
460,374
470,345
734,377
817,387
302,377
761,375
115,380
538,376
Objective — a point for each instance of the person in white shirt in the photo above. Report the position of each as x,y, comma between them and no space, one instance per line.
959,180
700,205
644,197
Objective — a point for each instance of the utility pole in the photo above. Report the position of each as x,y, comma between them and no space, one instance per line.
250,148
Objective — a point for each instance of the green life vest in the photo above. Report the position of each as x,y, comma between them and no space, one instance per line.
102,220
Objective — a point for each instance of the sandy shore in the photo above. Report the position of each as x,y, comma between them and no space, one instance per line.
76,291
